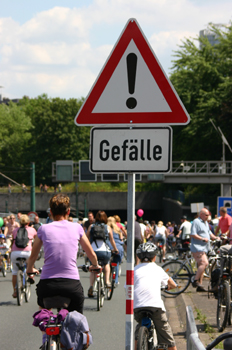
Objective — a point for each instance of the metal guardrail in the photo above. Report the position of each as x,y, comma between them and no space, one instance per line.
182,168
193,341
202,167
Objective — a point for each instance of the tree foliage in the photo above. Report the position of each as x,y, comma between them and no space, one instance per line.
42,129
202,77
54,134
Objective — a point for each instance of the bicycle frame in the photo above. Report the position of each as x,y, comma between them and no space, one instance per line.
152,337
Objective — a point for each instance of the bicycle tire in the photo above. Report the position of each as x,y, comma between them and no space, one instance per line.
102,290
180,273
52,344
4,267
161,255
142,339
98,296
109,291
19,287
27,291
223,306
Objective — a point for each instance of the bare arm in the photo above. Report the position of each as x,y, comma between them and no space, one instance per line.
34,254
171,283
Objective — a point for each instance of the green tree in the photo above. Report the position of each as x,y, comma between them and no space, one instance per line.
15,136
54,134
202,77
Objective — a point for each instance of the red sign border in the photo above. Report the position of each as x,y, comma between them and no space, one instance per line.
178,114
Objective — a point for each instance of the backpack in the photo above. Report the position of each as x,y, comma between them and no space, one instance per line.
75,333
98,231
21,239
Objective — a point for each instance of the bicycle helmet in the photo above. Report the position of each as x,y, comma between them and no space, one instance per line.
146,251
2,236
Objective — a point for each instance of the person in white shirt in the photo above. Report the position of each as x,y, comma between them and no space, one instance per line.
148,279
161,235
185,232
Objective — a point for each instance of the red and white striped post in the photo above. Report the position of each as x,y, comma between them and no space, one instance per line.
130,261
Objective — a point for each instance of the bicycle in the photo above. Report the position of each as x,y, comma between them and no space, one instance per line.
226,345
109,291
52,329
23,286
99,287
224,293
3,264
181,272
147,338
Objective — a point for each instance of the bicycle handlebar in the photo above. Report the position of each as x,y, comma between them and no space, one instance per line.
86,268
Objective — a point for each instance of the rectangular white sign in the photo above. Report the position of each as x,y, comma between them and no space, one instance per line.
135,149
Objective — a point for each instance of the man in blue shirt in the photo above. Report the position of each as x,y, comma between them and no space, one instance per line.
200,236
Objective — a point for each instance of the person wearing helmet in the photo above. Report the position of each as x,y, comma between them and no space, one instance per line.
148,279
4,248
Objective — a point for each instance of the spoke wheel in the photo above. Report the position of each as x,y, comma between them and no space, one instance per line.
27,291
180,274
109,291
142,339
223,306
20,287
52,345
4,268
103,291
98,296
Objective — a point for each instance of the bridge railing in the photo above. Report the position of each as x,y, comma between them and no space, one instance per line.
202,167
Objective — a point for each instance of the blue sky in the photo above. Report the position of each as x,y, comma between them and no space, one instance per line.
59,47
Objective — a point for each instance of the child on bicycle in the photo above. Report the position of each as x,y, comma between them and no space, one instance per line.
148,279
4,248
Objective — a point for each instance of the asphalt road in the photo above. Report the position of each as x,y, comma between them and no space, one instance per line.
107,326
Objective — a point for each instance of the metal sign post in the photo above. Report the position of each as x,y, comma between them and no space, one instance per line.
130,261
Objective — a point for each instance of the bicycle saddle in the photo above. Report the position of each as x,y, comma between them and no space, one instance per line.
56,302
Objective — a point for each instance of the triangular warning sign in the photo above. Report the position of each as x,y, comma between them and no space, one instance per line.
132,88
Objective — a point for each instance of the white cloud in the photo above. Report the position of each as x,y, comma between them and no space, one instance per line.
60,51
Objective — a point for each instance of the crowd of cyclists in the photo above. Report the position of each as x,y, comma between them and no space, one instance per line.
98,237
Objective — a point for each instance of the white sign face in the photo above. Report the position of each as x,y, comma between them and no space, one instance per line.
124,149
196,207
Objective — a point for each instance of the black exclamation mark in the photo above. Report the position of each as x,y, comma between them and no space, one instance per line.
131,61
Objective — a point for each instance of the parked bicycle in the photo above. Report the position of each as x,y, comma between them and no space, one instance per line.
224,293
227,345
181,271
23,286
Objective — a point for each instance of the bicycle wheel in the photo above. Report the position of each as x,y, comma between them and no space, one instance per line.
98,296
180,273
4,268
161,255
27,291
103,291
19,287
223,305
142,339
109,291
52,344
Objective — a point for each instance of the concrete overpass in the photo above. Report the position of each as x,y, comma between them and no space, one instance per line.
184,172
